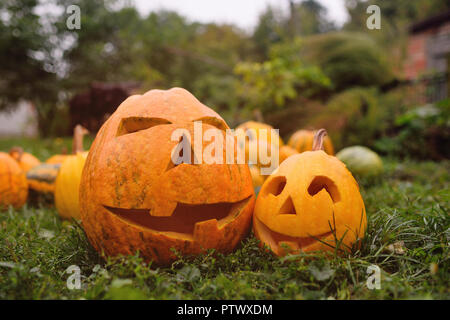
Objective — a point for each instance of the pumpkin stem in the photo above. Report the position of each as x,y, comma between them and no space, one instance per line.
17,150
78,134
318,139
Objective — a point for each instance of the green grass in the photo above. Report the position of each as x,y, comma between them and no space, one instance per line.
409,203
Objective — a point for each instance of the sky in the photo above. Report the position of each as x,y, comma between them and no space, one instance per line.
243,13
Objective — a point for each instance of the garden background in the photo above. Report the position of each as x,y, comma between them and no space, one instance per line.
294,70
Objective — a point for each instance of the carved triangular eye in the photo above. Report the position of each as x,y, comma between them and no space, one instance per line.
134,124
321,182
275,186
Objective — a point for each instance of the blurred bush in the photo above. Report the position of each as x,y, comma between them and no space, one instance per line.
348,59
353,117
423,132
271,84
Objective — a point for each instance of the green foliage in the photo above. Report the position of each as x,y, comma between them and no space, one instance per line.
27,66
423,133
268,85
409,204
348,59
353,117
309,17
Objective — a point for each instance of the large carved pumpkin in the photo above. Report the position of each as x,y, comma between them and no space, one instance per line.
134,197
67,183
302,140
25,160
308,202
13,184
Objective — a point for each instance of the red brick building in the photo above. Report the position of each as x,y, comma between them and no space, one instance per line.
428,55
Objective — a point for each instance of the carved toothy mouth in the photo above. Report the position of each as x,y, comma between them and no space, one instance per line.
184,218
276,241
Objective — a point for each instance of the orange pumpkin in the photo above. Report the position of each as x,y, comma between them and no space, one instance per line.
257,133
25,160
13,184
286,152
257,178
307,203
133,197
302,140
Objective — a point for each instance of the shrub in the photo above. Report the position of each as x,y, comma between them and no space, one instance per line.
353,117
423,132
348,59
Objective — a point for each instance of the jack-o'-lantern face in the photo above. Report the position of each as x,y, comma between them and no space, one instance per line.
134,197
307,203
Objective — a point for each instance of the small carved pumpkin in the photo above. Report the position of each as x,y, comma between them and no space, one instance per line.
308,202
25,160
67,184
134,197
13,184
302,140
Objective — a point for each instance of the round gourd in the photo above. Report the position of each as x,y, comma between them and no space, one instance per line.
307,203
67,184
133,197
361,161
302,140
42,177
25,160
13,184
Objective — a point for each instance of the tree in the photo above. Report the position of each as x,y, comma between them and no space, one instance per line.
284,76
26,68
307,18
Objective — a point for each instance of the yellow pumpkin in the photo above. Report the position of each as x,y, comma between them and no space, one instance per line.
257,178
307,203
13,184
257,151
257,133
67,184
286,152
302,140
56,159
25,160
